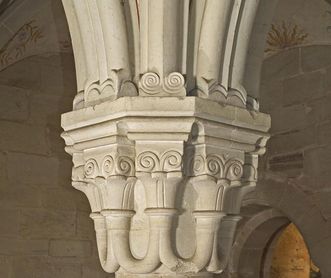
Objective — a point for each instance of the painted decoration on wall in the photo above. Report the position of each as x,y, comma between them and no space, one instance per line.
299,22
284,35
26,36
28,28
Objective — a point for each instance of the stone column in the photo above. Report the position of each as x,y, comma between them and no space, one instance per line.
162,130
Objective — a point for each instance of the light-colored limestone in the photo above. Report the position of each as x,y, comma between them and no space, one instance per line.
137,154
161,128
161,48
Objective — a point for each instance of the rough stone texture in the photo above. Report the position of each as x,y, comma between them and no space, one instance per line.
45,230
295,172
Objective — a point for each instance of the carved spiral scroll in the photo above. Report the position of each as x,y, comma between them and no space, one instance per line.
197,164
234,170
171,160
174,82
149,161
125,166
216,166
108,165
91,168
150,83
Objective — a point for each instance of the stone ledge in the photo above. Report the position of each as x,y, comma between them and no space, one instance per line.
166,107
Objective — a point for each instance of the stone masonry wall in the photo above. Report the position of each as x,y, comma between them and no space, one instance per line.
295,174
45,230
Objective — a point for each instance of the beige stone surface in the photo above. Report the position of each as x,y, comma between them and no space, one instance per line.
42,233
300,127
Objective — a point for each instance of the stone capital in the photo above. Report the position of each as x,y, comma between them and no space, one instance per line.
164,145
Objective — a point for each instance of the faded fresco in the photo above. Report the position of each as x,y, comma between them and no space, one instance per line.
27,29
299,22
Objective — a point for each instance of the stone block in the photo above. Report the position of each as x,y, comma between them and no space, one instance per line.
324,133
47,109
25,74
25,266
56,271
23,138
70,248
42,267
303,87
288,118
43,224
319,253
19,247
328,80
57,80
292,141
281,65
313,226
317,161
85,227
322,201
251,269
20,196
294,203
14,104
38,170
95,271
55,142
10,220
318,110
315,57
5,266
64,199
270,95
291,164
3,169
57,60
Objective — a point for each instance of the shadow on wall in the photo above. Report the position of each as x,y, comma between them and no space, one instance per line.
47,230
294,173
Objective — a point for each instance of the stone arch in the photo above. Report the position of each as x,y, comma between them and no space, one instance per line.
258,238
259,228
291,202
